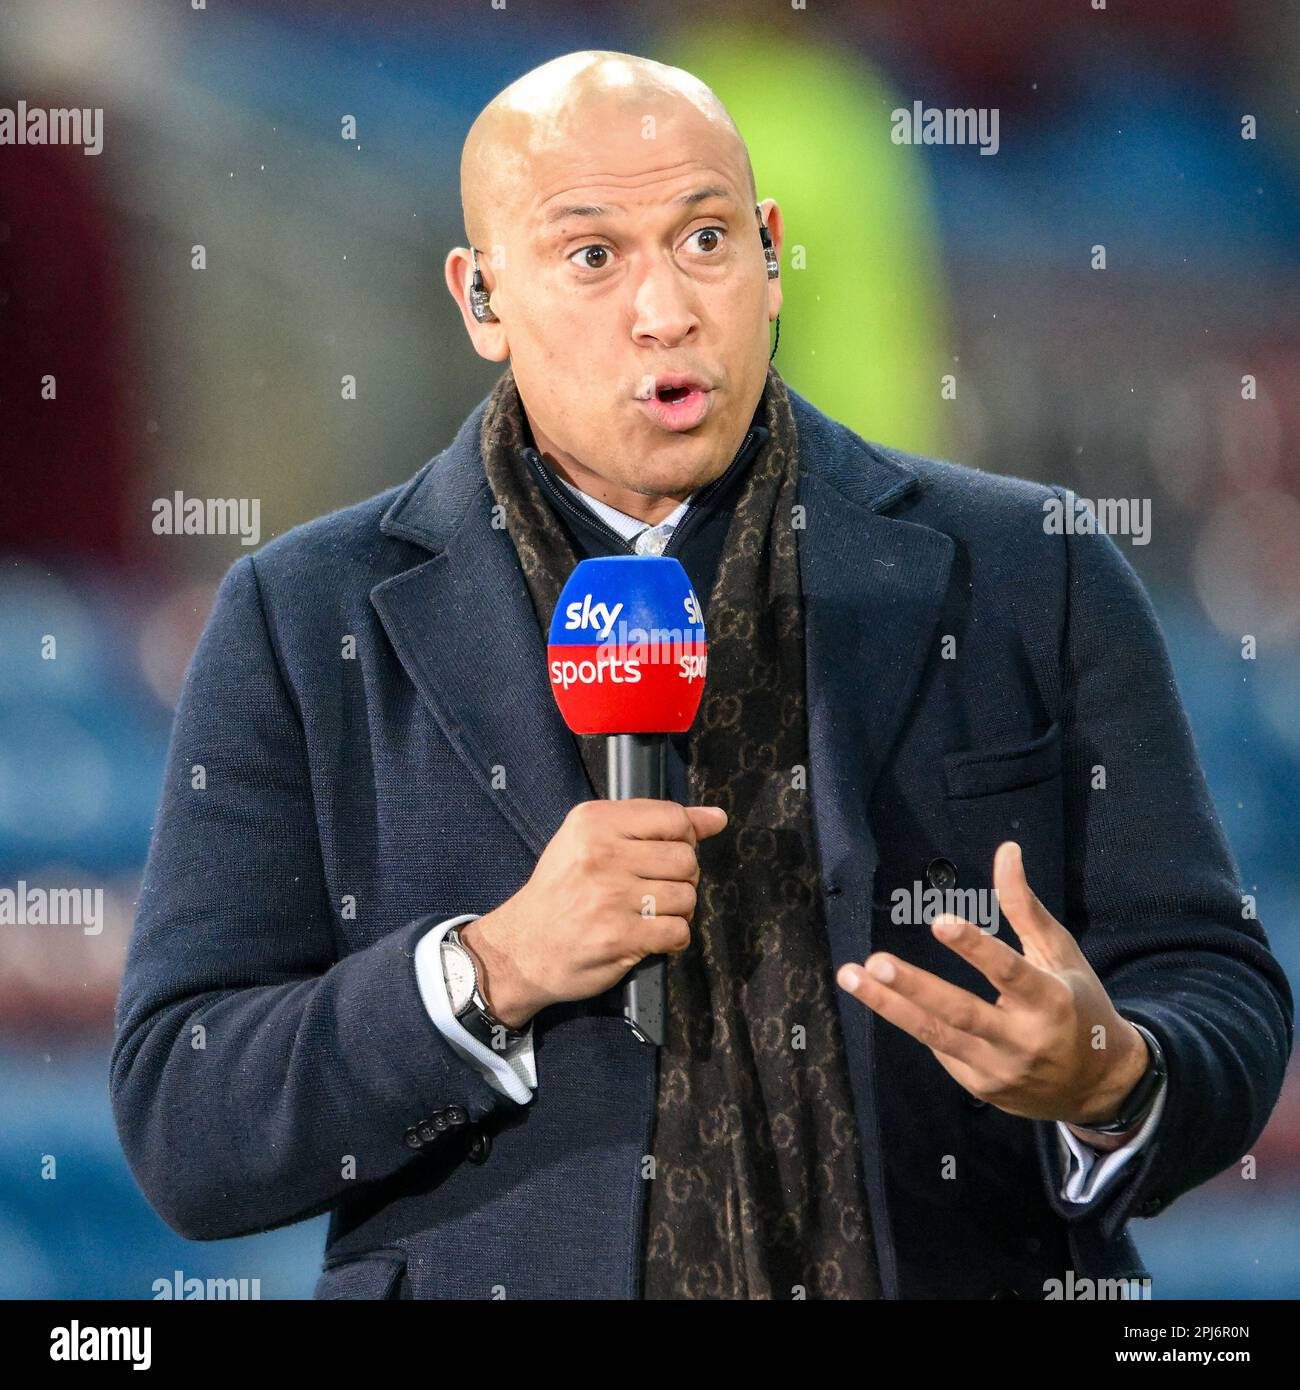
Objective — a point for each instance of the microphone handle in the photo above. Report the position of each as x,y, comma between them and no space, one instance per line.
636,768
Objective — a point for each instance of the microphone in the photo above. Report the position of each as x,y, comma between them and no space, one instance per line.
627,657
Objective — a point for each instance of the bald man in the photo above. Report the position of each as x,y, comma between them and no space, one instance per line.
590,321
958,975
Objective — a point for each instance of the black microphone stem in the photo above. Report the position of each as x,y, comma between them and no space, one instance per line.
636,768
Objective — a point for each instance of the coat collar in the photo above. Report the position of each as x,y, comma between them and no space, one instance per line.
463,626
437,500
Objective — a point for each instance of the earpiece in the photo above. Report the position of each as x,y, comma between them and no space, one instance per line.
773,269
769,255
478,296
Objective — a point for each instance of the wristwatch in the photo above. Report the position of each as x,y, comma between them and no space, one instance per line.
1142,1096
464,990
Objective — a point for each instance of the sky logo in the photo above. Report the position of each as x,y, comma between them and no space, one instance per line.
627,651
585,614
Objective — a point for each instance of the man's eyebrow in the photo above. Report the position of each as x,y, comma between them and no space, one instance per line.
698,195
574,210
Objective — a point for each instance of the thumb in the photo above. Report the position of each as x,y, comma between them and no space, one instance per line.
707,820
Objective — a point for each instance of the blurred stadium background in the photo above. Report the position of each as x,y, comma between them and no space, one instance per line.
1120,126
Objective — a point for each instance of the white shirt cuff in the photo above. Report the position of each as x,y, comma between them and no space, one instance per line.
1087,1170
512,1071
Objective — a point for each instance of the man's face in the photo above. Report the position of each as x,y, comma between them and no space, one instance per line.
599,307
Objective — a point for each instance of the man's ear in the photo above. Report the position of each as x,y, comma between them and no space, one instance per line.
771,212
488,339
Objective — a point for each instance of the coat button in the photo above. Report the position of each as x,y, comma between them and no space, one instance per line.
412,1138
439,1121
456,1114
478,1147
1153,1206
1005,1293
426,1131
974,1102
941,874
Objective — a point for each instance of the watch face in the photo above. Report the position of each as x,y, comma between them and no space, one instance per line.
459,970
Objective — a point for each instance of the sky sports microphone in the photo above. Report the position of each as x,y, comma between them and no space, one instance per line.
627,657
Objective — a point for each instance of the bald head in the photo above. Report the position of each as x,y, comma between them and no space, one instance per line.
614,203
556,106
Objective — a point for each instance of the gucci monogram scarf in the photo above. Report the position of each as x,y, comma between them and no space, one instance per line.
757,1190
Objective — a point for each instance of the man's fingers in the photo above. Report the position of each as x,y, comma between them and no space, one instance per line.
707,820
1001,965
955,1007
662,898
926,1027
663,859
648,818
666,936
1040,933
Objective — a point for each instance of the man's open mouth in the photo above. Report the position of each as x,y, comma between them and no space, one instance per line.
677,406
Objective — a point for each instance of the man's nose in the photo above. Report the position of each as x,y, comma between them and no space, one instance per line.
662,306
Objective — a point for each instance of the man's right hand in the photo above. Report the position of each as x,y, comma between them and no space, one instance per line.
616,883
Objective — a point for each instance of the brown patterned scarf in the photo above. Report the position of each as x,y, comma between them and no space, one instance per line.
758,1188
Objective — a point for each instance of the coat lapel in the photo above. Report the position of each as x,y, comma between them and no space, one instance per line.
873,588
463,626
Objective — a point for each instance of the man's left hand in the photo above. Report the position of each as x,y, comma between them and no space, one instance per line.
1051,1048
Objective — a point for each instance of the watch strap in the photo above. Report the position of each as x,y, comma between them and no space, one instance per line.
1137,1105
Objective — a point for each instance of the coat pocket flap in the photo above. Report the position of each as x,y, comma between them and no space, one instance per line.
366,1276
982,771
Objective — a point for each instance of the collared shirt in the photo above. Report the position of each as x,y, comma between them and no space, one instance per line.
646,539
